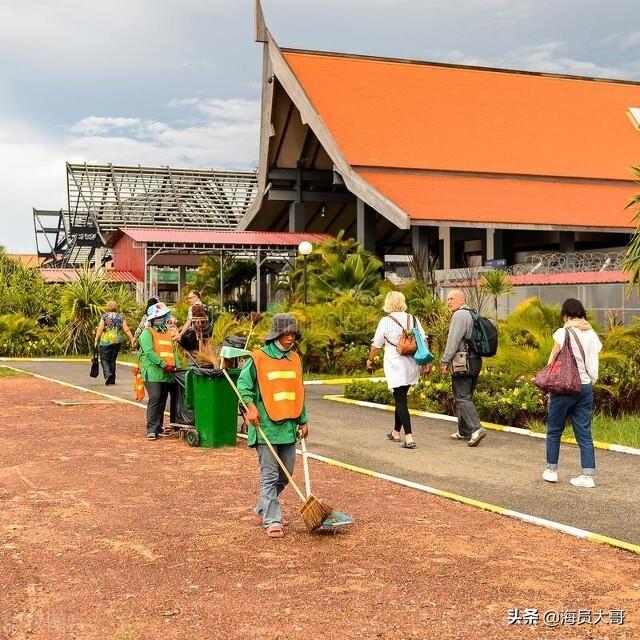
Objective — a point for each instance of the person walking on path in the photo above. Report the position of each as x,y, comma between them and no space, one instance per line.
401,371
158,360
464,375
585,346
271,385
109,337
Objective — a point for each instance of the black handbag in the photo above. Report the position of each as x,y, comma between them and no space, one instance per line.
95,366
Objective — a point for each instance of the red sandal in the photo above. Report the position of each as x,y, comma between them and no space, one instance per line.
275,530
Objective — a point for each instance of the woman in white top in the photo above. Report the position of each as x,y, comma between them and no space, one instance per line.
577,407
401,372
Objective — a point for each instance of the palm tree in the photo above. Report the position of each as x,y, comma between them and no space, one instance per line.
496,283
357,276
632,259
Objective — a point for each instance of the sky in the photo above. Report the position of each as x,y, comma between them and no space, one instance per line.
177,82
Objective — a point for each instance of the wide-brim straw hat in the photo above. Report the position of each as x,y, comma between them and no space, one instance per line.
283,323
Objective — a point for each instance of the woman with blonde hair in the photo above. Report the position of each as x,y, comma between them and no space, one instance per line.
401,371
109,337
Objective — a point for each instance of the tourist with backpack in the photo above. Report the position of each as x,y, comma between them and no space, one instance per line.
395,333
470,337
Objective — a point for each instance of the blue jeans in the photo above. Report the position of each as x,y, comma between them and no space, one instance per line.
580,409
273,480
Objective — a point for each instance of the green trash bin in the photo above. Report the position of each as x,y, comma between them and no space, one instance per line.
215,405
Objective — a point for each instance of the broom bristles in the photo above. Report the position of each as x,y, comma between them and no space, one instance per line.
314,512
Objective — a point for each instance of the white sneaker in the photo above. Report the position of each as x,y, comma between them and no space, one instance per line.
583,481
550,475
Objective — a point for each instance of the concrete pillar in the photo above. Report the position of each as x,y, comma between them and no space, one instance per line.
421,237
263,289
567,241
444,235
297,217
498,244
182,280
489,244
365,226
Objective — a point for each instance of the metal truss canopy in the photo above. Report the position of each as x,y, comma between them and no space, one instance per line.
103,198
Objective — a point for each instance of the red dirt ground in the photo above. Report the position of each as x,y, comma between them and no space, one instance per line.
106,535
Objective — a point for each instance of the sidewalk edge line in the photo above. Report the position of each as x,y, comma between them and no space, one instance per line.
617,448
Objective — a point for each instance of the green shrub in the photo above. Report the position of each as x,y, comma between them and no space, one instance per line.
369,392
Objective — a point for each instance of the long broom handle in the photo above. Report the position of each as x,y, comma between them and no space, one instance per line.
305,466
264,437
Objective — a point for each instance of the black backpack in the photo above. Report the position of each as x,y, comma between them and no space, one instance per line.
484,336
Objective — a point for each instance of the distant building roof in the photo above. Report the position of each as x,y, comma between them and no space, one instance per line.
575,277
26,259
63,276
208,237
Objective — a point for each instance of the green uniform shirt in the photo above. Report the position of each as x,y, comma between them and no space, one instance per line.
150,362
283,432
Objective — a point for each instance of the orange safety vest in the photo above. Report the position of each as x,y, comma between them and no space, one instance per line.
163,346
281,386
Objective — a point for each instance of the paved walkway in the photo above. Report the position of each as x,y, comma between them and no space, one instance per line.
504,470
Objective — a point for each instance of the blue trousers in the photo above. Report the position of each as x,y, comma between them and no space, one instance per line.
273,480
580,409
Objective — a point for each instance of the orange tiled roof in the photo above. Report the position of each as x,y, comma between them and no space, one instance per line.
390,113
506,200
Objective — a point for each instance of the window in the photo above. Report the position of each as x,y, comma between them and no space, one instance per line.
634,115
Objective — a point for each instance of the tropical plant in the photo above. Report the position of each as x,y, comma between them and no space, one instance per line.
357,277
632,259
23,291
22,336
496,283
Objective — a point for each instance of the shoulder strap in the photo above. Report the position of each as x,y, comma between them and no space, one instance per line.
575,337
397,322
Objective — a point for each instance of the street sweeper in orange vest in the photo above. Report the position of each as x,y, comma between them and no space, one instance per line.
271,385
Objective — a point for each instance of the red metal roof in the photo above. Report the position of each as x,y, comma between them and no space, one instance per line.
71,275
574,277
207,236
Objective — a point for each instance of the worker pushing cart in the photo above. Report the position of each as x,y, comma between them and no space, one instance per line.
271,385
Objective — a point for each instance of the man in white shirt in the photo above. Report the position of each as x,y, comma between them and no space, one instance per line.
193,297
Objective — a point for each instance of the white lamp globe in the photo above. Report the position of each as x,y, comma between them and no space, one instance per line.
305,248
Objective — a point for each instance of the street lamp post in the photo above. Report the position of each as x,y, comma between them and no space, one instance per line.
305,248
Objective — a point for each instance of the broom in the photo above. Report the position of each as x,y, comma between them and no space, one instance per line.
313,511
255,317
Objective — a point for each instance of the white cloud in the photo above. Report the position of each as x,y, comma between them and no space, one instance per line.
548,57
220,134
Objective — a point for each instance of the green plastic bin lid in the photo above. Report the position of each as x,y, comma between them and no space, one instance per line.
233,352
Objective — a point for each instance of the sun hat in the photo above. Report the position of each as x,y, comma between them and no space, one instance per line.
157,311
283,323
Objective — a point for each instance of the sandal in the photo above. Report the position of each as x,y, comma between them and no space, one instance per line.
275,530
390,437
408,445
257,519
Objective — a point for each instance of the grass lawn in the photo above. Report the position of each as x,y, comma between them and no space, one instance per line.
623,430
8,373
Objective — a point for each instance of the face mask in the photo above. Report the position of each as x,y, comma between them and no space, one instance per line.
160,323
283,349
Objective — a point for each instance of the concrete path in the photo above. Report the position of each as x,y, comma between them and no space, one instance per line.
505,470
